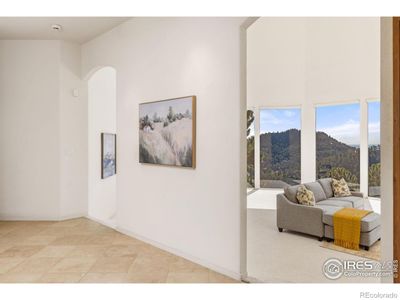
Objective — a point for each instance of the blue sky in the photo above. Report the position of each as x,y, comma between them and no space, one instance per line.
342,122
374,118
273,120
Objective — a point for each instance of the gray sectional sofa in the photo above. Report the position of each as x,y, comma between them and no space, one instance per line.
318,220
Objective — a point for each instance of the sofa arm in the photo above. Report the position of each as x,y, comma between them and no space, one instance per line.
284,202
297,217
357,194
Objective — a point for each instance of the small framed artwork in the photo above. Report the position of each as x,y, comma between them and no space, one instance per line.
108,155
167,132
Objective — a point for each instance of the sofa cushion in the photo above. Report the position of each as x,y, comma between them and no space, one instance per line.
326,184
367,238
368,223
304,196
327,207
336,203
316,188
340,188
357,194
356,202
291,192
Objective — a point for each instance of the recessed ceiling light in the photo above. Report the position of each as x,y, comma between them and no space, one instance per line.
56,27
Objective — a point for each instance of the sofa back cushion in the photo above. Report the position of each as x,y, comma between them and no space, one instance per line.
326,184
317,190
291,193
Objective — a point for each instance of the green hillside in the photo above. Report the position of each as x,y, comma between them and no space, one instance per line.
280,158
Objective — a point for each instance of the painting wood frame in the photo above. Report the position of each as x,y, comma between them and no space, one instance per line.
194,121
103,134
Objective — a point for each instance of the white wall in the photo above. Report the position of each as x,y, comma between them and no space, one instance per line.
310,61
195,213
29,152
387,140
102,118
42,138
343,59
276,61
73,134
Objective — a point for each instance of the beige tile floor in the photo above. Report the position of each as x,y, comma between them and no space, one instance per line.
80,250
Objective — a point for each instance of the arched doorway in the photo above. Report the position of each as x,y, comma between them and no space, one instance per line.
101,119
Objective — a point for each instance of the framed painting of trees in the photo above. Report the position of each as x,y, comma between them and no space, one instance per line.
167,132
108,155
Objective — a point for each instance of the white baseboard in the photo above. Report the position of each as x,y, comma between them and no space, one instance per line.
71,216
107,223
39,218
196,260
27,218
248,279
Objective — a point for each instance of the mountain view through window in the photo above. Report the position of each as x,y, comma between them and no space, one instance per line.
250,148
280,155
337,146
338,143
374,149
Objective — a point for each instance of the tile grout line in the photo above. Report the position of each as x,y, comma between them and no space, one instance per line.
105,244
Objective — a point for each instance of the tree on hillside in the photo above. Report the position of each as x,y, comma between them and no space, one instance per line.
250,120
340,172
374,174
374,154
332,153
250,149
280,156
250,160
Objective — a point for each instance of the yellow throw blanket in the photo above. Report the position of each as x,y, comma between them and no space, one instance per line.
347,227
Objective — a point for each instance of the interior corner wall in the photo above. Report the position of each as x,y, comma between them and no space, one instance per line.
29,129
304,62
102,115
73,134
193,213
42,130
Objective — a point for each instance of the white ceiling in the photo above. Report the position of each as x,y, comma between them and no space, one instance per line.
74,29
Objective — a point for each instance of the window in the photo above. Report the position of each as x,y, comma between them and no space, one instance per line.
374,149
250,148
338,143
280,161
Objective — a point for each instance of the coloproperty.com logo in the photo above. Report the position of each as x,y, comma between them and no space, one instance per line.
335,268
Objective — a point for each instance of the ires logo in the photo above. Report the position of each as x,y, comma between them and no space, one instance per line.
334,268
360,265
